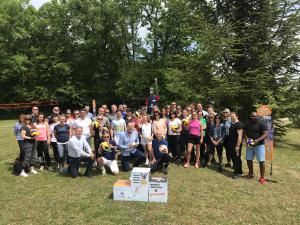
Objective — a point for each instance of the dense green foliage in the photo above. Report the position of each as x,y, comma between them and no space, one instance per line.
235,53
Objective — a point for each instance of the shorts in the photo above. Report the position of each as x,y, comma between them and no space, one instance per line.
112,164
193,139
144,141
258,150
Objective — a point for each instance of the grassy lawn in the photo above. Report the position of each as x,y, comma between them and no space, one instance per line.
196,196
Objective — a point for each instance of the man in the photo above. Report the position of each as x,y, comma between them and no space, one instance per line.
235,145
160,154
173,107
101,112
113,115
124,108
89,115
255,133
86,123
227,124
151,101
127,143
55,112
200,108
79,150
34,114
129,117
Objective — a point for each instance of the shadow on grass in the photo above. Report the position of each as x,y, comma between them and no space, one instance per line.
285,144
224,171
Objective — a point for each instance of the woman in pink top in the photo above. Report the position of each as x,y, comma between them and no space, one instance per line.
195,138
43,141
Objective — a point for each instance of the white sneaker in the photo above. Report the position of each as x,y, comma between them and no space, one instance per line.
23,174
103,170
32,170
147,162
95,164
41,168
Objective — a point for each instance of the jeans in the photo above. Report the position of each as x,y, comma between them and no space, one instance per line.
74,164
43,152
55,151
62,152
226,146
165,158
219,150
27,152
125,160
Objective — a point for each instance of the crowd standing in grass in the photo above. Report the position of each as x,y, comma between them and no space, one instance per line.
150,136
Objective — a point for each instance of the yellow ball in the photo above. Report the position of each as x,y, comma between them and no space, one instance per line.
34,133
186,122
174,128
105,146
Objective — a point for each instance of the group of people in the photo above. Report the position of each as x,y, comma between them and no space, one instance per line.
151,136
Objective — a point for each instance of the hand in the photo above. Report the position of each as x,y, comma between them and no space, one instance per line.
256,142
237,149
153,161
201,140
48,142
92,156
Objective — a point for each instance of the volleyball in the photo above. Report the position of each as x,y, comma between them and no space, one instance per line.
105,146
174,128
96,124
186,122
250,142
163,148
34,133
136,114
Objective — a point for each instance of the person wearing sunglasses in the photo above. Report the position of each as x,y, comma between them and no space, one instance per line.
159,127
195,138
86,123
99,126
28,146
107,152
227,124
174,129
69,117
160,154
216,136
55,111
34,114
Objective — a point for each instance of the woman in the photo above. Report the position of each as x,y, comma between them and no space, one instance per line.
217,134
53,140
146,137
195,138
69,117
43,141
185,130
211,151
203,144
17,133
28,146
174,129
62,133
159,127
99,127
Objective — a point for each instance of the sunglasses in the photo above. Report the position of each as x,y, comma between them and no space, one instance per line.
76,113
35,109
105,136
225,112
194,114
99,118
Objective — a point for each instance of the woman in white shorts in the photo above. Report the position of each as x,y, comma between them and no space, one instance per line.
147,137
107,152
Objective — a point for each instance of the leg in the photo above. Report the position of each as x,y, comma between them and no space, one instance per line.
188,154
39,148
198,153
74,166
220,153
125,163
55,151
88,165
27,153
113,165
228,153
155,166
46,153
140,157
249,157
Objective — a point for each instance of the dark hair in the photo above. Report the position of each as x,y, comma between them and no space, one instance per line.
217,116
118,111
172,113
41,114
234,112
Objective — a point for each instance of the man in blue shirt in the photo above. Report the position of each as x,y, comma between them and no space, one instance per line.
160,154
128,142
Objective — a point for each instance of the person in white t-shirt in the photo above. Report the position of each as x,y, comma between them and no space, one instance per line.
147,137
118,127
174,129
86,124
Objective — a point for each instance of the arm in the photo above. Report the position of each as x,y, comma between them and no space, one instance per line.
15,130
239,140
265,134
87,146
77,149
48,133
201,133
23,134
121,144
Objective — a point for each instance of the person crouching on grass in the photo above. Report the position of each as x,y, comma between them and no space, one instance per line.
255,133
160,154
79,150
107,152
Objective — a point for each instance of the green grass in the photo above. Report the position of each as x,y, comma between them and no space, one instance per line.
201,196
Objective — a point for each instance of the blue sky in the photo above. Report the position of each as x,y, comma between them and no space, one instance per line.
38,3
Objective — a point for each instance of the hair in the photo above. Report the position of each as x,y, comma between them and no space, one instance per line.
172,113
21,118
62,115
41,114
27,117
217,116
118,111
128,110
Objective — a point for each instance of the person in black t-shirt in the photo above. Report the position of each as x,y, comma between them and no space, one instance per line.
235,144
255,132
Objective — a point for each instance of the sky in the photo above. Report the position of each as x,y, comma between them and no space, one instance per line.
38,3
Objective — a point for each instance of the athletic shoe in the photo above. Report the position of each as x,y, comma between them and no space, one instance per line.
32,170
50,168
262,180
239,175
23,174
103,170
228,165
186,165
41,168
95,164
147,162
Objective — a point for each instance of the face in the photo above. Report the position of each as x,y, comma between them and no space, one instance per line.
78,132
100,119
189,110
218,119
55,119
185,113
76,114
173,105
173,115
87,108
101,111
62,119
200,114
253,116
82,113
124,108
119,114
211,118
210,110
233,117
194,116
35,110
129,114
104,107
105,137
27,120
199,106
41,118
56,109
68,113
226,113
156,116
163,111
178,108
113,108
145,118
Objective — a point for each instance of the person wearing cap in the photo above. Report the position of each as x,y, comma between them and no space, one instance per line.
128,142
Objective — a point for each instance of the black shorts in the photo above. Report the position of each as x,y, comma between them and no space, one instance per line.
193,139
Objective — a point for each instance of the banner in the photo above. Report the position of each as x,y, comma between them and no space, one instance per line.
264,113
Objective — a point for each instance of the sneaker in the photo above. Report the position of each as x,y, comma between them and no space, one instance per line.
103,170
32,170
262,180
147,162
41,168
23,174
239,175
228,165
50,168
